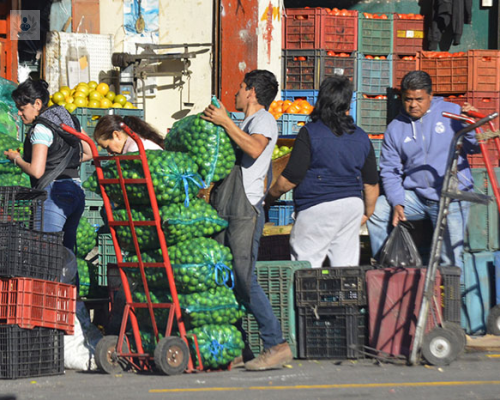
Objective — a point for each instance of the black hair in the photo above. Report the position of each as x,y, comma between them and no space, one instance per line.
30,90
417,80
110,123
265,84
334,101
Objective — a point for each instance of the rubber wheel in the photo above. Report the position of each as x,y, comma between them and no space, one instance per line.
459,332
493,325
172,355
440,346
106,357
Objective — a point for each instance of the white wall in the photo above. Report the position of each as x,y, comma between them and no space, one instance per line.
192,22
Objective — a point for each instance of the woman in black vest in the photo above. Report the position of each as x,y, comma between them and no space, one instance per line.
51,158
332,169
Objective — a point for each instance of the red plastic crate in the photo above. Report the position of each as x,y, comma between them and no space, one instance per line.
459,99
477,160
486,102
301,69
302,28
449,74
400,67
408,35
339,32
35,302
484,70
394,299
336,65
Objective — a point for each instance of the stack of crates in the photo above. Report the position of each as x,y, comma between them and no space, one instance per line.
332,312
481,241
35,310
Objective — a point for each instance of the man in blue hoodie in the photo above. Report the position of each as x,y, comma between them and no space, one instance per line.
412,167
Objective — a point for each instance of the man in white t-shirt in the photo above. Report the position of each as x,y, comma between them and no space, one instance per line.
256,139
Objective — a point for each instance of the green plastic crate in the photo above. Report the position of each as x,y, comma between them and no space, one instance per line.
94,212
106,255
375,36
277,280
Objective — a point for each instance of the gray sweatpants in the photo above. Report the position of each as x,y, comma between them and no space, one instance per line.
328,230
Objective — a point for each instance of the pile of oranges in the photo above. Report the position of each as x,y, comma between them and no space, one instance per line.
298,106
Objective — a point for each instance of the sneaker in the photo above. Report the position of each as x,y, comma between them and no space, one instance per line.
272,358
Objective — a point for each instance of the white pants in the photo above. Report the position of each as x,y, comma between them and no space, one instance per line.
328,229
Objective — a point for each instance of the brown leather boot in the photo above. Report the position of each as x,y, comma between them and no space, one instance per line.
272,358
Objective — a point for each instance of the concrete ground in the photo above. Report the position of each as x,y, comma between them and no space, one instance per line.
473,376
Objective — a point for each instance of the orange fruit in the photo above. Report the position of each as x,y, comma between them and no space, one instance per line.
95,95
120,99
117,105
106,103
128,105
92,84
57,97
80,102
102,88
111,95
94,104
70,107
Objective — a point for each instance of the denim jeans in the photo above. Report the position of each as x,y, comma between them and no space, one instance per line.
63,209
259,306
380,224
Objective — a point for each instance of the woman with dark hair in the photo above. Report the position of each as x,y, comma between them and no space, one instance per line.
51,158
111,137
333,172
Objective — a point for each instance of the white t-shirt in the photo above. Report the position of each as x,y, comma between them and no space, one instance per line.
42,135
131,146
254,171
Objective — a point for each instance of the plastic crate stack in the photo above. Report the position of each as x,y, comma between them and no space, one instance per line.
35,309
473,77
481,263
332,312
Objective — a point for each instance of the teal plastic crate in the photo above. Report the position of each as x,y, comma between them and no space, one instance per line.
281,214
106,255
371,114
377,147
277,280
86,170
375,36
94,212
482,231
478,294
310,95
290,124
374,76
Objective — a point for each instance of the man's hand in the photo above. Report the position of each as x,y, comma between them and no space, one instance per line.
217,116
398,214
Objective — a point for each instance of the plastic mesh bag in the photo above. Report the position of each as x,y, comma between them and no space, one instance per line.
9,119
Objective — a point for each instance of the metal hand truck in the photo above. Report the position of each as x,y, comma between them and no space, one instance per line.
113,353
437,346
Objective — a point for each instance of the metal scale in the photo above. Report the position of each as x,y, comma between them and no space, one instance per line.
138,67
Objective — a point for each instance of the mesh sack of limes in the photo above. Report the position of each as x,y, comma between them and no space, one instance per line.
11,174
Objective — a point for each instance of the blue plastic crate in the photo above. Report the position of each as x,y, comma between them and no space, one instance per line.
374,76
310,95
354,107
288,196
237,117
281,214
478,290
290,124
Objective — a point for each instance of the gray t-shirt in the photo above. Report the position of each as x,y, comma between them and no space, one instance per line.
255,171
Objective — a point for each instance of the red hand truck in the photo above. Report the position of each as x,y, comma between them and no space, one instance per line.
113,354
437,346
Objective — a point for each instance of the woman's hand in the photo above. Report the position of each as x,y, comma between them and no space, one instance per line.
12,155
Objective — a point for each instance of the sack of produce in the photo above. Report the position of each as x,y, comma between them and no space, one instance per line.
174,175
86,237
84,277
183,223
215,306
218,344
200,264
10,174
147,235
8,110
208,145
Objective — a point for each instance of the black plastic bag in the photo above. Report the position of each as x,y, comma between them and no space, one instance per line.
399,250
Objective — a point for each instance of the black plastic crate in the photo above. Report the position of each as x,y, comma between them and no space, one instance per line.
29,253
452,299
274,248
329,287
26,353
22,204
332,332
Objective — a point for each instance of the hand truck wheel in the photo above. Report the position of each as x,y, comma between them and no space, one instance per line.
172,355
459,333
106,356
493,325
440,346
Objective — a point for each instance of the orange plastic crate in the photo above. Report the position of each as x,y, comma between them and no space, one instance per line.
477,160
408,35
400,67
449,73
302,28
35,302
484,70
486,103
459,99
339,32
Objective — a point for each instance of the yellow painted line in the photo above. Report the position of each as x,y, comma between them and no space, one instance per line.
343,386
493,355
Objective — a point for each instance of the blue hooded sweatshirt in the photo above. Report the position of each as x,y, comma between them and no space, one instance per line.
415,153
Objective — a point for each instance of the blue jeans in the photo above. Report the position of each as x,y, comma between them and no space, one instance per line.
380,224
63,209
259,306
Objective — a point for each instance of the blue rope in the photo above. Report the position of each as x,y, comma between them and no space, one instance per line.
223,274
185,179
216,350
